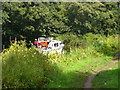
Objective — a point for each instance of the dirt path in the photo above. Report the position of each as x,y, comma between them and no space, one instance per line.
89,80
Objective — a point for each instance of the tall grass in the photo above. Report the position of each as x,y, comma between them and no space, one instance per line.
27,68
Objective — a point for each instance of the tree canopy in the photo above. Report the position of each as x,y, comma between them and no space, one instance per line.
29,20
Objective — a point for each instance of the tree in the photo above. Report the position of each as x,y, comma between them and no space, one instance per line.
30,20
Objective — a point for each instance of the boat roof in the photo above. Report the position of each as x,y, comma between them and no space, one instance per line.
56,41
51,41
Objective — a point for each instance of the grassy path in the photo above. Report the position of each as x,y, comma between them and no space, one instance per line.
88,83
75,74
107,78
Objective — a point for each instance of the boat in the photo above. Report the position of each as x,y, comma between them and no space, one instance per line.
49,45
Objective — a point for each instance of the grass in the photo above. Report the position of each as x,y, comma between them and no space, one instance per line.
74,75
110,76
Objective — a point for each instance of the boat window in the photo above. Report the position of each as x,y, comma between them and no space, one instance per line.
56,45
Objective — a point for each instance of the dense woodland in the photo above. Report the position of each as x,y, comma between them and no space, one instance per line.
30,20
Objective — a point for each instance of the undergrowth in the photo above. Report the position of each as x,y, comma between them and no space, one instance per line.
27,68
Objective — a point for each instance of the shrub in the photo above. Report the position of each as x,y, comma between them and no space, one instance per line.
102,44
70,40
108,45
90,39
23,67
98,43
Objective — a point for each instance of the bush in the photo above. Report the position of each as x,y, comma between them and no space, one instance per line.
98,43
71,41
102,44
89,39
109,45
23,67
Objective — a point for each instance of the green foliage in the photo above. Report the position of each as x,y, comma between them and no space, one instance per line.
108,45
70,40
91,43
23,67
27,68
29,20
